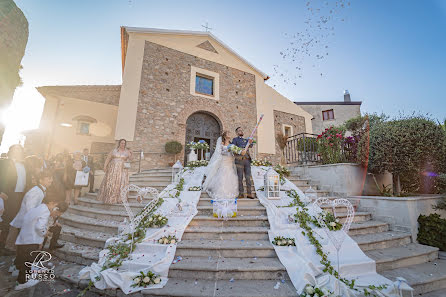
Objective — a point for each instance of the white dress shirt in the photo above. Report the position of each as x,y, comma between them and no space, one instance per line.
32,198
2,209
35,226
21,177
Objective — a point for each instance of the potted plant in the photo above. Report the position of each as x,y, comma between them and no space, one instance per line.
174,148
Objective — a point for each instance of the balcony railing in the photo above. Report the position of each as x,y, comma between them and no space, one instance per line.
302,149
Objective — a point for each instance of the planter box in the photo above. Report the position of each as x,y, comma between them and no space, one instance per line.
344,179
400,212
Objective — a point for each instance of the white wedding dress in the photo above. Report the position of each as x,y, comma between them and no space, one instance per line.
221,176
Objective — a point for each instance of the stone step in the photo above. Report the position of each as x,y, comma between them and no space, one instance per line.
151,184
367,227
224,288
241,210
382,240
180,287
245,202
83,237
238,221
86,223
397,257
423,278
77,253
93,203
227,233
165,169
214,268
226,248
154,178
97,213
206,195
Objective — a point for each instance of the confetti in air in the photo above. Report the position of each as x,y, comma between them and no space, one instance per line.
308,48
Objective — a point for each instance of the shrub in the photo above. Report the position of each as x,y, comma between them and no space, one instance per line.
173,147
411,148
330,145
432,231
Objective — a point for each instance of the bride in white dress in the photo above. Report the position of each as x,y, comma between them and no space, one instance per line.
221,177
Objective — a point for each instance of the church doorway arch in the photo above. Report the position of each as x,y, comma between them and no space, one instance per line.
202,126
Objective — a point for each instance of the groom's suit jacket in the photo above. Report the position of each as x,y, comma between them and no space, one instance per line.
242,143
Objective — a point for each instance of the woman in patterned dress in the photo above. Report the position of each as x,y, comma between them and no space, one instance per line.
116,174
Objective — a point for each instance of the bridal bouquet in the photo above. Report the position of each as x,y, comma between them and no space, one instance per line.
235,149
282,241
145,280
167,240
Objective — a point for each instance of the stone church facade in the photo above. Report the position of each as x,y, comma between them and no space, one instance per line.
159,100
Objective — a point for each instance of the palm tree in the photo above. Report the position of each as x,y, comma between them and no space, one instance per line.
13,39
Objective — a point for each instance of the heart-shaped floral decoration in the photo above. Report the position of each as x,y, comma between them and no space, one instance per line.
142,193
336,237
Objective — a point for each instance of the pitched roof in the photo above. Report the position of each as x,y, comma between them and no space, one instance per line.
107,94
124,39
328,103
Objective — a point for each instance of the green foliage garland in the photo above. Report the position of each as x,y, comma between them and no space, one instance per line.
304,220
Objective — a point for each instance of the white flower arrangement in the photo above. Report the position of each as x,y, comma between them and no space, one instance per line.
168,240
282,241
144,280
155,221
257,162
194,188
314,291
198,163
200,145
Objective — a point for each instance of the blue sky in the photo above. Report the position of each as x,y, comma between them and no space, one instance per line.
389,54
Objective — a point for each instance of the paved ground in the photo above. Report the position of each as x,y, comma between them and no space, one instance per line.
43,289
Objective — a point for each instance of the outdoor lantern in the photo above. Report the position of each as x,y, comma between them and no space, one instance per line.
272,184
176,168
311,194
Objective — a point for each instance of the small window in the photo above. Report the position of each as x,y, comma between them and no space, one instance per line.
328,115
84,128
287,130
204,85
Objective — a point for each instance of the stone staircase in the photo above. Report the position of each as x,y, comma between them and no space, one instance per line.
235,257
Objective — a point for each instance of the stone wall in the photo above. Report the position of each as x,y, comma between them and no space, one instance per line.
283,118
165,101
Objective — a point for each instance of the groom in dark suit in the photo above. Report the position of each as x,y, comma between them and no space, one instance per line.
243,163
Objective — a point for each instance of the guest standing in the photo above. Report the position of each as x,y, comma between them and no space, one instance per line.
35,226
116,170
57,189
34,166
88,159
71,168
13,184
32,199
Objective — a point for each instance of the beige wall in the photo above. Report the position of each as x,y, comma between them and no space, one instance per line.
342,113
133,70
268,101
66,138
